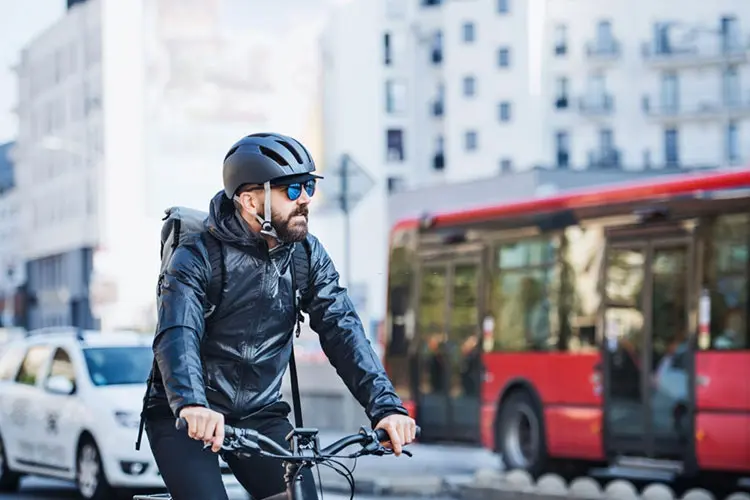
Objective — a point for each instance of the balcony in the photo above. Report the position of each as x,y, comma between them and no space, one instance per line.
603,51
705,110
597,105
604,158
695,52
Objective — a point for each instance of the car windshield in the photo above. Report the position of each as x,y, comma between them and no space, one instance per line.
118,365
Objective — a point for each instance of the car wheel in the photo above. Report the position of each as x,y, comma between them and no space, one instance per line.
90,478
9,480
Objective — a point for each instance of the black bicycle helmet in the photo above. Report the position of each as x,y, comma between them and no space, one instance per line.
264,157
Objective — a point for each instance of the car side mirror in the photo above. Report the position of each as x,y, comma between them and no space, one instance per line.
59,385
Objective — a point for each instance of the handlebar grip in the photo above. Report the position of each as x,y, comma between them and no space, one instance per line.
382,434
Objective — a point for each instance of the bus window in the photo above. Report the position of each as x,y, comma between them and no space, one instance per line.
523,297
727,271
581,254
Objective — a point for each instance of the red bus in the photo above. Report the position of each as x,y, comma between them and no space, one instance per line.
608,325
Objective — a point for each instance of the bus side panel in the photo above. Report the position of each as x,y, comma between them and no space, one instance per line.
569,390
722,429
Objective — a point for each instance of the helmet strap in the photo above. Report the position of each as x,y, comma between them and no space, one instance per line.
265,222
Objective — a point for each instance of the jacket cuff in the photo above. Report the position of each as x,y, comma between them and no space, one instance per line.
398,410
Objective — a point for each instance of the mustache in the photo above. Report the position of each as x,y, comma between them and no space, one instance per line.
301,211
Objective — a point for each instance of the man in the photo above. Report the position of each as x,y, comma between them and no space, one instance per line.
229,368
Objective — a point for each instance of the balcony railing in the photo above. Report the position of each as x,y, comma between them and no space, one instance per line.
603,50
604,158
699,51
711,109
597,105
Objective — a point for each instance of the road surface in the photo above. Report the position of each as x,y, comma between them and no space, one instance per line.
43,489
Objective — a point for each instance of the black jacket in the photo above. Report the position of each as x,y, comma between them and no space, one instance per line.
234,362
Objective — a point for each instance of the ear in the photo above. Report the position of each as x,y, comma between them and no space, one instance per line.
250,202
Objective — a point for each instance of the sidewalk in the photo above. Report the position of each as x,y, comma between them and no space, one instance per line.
434,469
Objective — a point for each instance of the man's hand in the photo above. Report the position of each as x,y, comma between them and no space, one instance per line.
401,429
204,425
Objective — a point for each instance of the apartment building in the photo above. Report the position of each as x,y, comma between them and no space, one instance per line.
125,109
429,93
12,268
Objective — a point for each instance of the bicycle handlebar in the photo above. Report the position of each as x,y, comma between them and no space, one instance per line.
247,440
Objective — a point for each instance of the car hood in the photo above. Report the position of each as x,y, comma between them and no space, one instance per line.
122,397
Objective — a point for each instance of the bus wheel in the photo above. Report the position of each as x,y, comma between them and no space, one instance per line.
520,434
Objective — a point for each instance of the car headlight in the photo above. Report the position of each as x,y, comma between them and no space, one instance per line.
128,419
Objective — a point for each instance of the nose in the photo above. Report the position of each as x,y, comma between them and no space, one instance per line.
304,198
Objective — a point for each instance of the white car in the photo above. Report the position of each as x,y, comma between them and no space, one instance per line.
70,405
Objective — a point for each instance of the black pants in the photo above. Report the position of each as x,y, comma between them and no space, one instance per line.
191,473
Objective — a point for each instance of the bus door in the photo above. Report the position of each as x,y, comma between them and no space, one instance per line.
647,360
449,351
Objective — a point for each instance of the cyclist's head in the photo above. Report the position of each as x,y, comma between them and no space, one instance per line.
272,175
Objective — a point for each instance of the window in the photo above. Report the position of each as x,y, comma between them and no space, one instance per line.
522,303
604,38
470,140
732,143
503,6
395,184
395,145
562,146
387,49
731,92
503,57
561,101
503,111
437,47
469,86
670,92
32,364
62,366
561,39
395,96
468,32
727,281
671,147
118,365
506,165
730,35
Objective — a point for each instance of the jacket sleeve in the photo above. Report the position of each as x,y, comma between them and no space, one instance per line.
342,337
180,327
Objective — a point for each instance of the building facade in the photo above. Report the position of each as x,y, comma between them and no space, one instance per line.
12,266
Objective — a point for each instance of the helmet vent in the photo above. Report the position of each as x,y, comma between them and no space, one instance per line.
274,156
303,149
291,150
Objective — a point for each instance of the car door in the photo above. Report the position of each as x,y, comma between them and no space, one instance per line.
24,404
58,405
10,361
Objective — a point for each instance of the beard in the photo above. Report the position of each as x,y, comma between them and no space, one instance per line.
292,228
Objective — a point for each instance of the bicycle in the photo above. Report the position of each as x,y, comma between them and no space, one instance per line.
307,454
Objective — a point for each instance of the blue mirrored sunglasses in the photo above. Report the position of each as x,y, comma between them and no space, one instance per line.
294,191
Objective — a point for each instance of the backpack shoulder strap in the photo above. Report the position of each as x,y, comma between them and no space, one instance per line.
301,286
215,291
301,267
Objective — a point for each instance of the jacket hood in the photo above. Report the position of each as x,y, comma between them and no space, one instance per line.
226,224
